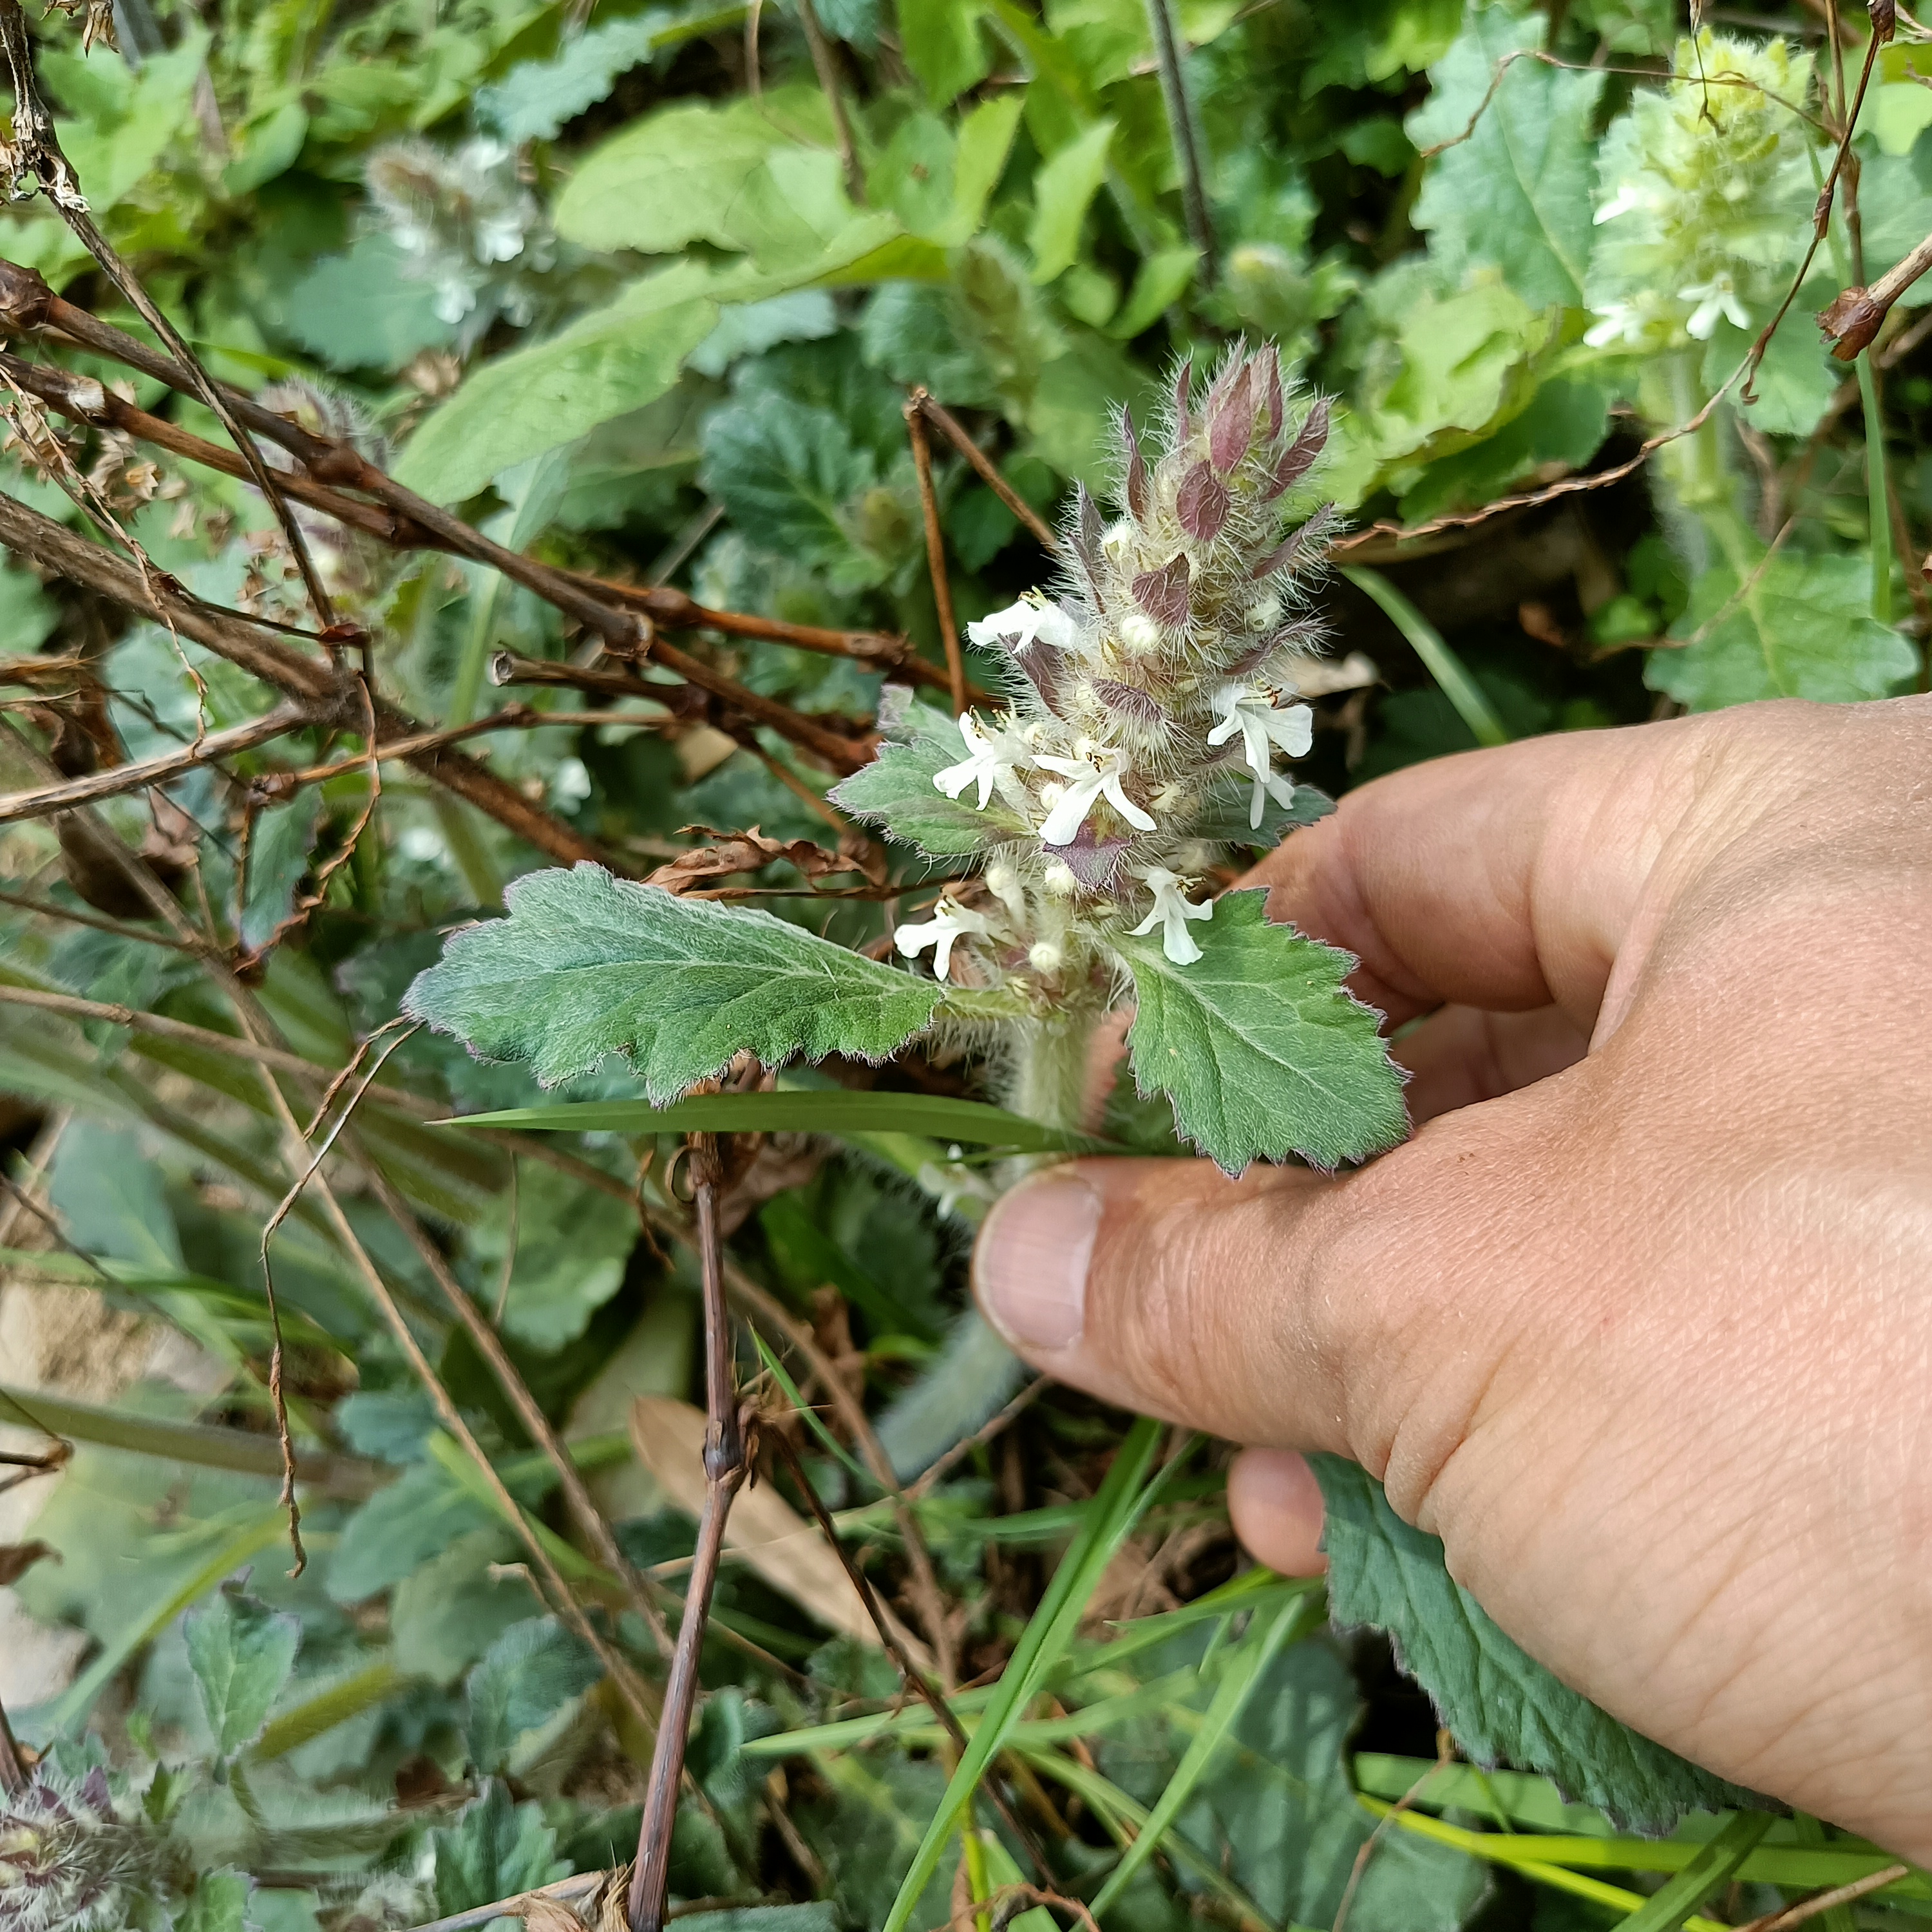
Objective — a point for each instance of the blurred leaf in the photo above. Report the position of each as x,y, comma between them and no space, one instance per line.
1063,190
1797,629
220,1903
943,46
494,1850
361,311
398,1528
1501,1704
615,359
809,1257
1261,1049
242,1653
585,965
1516,195
278,856
448,1611
527,1676
1162,278
535,98
111,1197
572,1245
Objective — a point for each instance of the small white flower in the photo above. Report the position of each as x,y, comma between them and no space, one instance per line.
1089,779
1617,322
1717,297
988,762
1139,634
1172,909
1629,195
1263,724
1003,882
948,923
1046,955
1021,623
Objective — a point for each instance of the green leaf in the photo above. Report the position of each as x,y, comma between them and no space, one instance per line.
820,1110
447,1613
111,1199
1799,628
1261,1049
526,1679
1062,191
220,1902
361,310
1224,817
1162,278
1472,705
614,360
1499,1703
1516,195
399,1527
571,1246
1117,1507
585,965
535,99
943,46
896,791
242,1653
494,1850
807,1256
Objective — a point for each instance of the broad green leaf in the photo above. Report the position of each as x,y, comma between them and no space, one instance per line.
1224,818
807,1256
526,1679
1162,278
1500,1705
944,46
1516,195
821,1111
110,1197
446,1613
496,1850
399,1527
614,360
242,1653
219,1903
585,965
360,310
1262,1051
1117,1504
571,1246
1799,629
985,139
896,792
1063,191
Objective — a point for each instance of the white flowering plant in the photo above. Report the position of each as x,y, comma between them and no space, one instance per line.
1148,718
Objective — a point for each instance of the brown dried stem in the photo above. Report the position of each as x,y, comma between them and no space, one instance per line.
13,1771
935,555
950,426
726,1467
1181,125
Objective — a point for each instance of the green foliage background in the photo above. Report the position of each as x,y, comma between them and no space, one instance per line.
627,287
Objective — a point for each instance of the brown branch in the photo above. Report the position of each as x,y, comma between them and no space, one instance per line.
1824,1901
37,151
45,909
1855,315
511,718
309,680
137,1019
842,753
12,1769
726,1466
118,780
825,66
950,426
935,555
1187,150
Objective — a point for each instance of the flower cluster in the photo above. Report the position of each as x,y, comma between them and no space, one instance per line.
467,226
1150,690
1705,188
69,1861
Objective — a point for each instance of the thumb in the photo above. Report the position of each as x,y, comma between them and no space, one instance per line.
1163,1286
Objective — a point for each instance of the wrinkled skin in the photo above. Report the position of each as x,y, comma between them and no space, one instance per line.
1640,1322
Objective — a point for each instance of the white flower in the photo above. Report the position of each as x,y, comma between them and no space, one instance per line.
1095,776
1171,911
1617,322
1715,297
1022,622
988,762
948,923
1629,195
1262,724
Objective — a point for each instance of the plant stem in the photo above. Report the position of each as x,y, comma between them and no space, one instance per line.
1877,494
1186,149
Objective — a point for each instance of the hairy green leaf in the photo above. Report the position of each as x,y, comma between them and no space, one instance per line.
585,965
496,1850
1799,628
1500,1704
1515,194
242,1653
1262,1051
526,1679
896,792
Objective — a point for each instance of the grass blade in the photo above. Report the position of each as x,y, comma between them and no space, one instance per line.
818,1111
1117,1507
1472,702
1715,1866
1242,1672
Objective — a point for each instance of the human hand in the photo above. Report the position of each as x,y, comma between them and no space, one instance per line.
1641,1332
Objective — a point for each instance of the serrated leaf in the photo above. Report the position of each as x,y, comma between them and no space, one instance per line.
1500,1704
535,98
1799,628
495,1849
572,1247
614,360
1224,818
819,1111
398,1528
361,310
1516,195
525,1679
896,792
220,1903
1262,1051
242,1653
584,965
1063,190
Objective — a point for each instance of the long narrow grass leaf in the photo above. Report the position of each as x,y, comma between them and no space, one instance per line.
1715,1865
1472,702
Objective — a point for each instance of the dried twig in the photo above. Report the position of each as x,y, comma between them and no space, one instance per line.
950,426
826,66
1854,317
935,553
1824,1901
12,1770
726,1466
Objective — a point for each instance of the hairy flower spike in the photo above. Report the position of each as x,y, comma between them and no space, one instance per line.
70,1860
1704,191
1156,674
